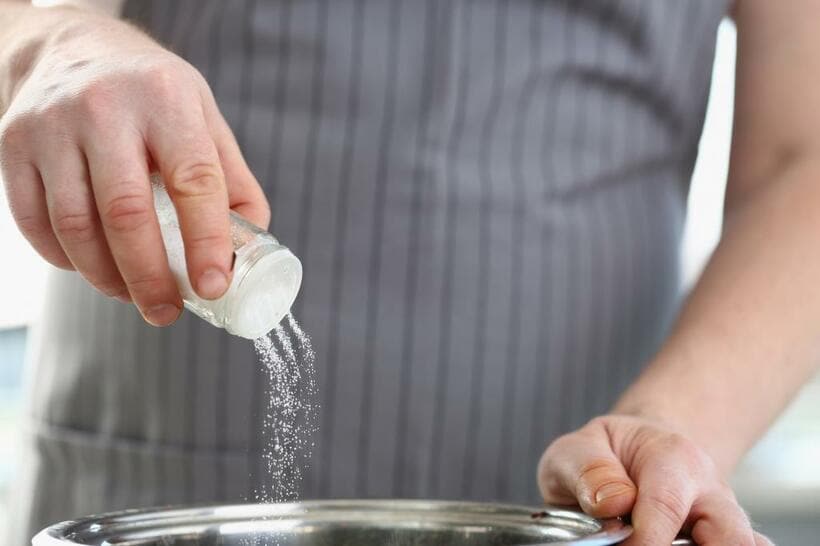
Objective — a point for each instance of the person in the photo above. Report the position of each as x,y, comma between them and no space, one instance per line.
487,198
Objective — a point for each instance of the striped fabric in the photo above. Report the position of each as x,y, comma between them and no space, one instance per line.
487,197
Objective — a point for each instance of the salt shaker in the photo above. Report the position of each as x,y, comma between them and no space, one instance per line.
266,276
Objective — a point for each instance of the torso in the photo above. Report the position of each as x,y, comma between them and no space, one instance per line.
487,198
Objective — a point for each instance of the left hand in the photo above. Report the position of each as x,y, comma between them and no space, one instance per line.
619,464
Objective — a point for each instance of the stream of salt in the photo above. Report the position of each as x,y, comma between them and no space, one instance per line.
290,420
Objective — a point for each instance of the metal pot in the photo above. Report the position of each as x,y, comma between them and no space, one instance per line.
339,523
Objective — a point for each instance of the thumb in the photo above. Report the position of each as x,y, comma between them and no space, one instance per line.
582,466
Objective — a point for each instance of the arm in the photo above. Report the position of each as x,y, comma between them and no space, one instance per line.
747,338
89,106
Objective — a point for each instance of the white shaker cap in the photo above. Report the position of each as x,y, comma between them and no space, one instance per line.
265,294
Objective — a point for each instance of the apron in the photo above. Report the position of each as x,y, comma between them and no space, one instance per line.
487,197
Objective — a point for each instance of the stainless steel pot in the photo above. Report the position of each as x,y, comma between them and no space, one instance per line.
339,523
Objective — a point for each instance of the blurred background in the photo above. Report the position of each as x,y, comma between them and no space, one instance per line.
778,483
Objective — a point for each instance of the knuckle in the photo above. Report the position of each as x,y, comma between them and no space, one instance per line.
670,505
558,446
13,137
75,228
126,213
197,77
196,179
96,103
724,489
164,80
695,457
147,286
599,421
110,288
34,226
206,241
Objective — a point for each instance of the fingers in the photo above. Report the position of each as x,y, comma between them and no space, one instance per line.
27,202
245,195
93,206
666,492
74,219
188,160
718,520
122,116
125,204
583,467
678,484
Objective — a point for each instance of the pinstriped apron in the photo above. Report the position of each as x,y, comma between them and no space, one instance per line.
487,197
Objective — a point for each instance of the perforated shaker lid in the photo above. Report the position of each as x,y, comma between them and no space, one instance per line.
264,294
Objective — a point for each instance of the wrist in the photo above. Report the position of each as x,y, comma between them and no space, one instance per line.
652,408
58,34
20,48
699,415
28,35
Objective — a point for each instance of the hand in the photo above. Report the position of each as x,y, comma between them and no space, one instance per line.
102,106
621,464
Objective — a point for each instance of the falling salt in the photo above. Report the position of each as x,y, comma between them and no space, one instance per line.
290,420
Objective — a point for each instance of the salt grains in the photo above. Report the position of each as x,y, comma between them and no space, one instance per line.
290,420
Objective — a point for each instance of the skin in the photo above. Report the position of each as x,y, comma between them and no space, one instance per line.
91,105
747,338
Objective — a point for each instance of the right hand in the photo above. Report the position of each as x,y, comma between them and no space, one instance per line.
102,106
618,464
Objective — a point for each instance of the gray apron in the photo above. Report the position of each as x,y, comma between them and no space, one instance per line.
487,197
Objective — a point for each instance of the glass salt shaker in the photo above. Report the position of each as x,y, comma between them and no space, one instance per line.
266,276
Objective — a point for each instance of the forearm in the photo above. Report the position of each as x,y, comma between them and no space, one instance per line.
747,338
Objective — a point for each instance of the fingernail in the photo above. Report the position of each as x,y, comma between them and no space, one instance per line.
212,284
162,315
611,490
